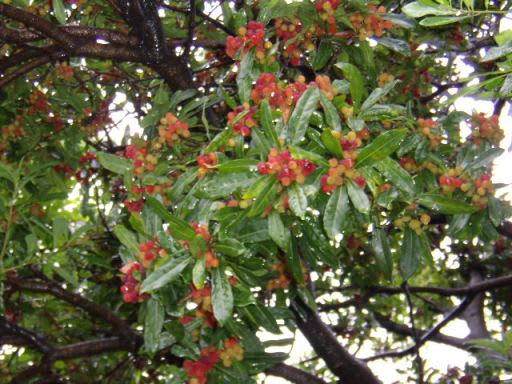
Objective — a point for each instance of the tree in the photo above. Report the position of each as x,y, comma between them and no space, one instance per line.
299,166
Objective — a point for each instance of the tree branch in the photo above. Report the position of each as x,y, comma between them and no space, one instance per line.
295,375
345,366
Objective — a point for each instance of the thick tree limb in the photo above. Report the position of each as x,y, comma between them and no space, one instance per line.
345,366
131,339
474,314
295,375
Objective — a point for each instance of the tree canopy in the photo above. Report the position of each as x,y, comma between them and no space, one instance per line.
184,185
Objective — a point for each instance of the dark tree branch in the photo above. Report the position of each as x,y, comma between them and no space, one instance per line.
428,335
295,375
30,337
131,339
474,314
191,27
403,330
22,70
415,335
345,366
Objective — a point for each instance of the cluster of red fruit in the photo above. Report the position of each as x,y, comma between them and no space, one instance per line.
38,103
12,131
477,190
338,171
417,224
149,251
142,160
210,260
64,72
203,299
326,9
131,283
171,129
287,169
232,351
370,25
486,128
88,167
282,280
426,128
206,164
287,30
411,166
198,370
242,119
251,36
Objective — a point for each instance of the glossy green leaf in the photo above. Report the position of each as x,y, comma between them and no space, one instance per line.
165,274
268,124
180,229
60,231
506,88
278,231
297,200
230,247
332,144
436,21
113,163
244,78
410,254
128,239
332,116
222,296
380,148
322,55
293,262
495,53
444,204
382,251
357,81
59,11
262,317
358,197
265,198
299,119
224,185
336,212
419,9
397,45
398,176
378,94
238,165
153,323
199,273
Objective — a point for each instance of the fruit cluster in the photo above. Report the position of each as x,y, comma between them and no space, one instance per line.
232,351
88,167
327,9
131,286
64,72
38,103
351,141
251,36
287,30
324,83
210,260
14,130
417,224
149,251
142,160
427,128
385,78
411,166
242,119
203,299
371,24
206,164
171,129
282,280
486,128
482,188
134,206
478,190
198,370
338,171
287,169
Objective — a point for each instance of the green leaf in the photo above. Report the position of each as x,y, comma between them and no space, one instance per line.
297,200
265,198
358,197
299,119
230,247
128,239
60,231
165,274
238,165
357,81
218,141
484,159
336,212
419,9
59,11
398,45
278,231
222,296
498,52
496,211
244,78
332,144
262,317
378,94
436,21
180,229
443,204
322,55
293,264
7,173
506,88
380,148
224,185
113,163
332,116
396,175
410,255
299,153
153,323
382,251
268,124
199,273
381,112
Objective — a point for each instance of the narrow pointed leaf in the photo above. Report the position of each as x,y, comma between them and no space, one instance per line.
380,148
336,212
165,274
222,296
299,119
